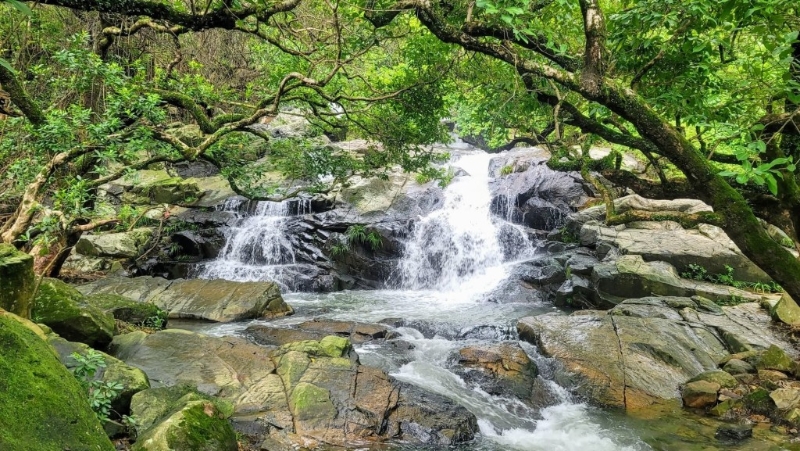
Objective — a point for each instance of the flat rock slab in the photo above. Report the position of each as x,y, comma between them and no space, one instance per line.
640,352
212,300
315,330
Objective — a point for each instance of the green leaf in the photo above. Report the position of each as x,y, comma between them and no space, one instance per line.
6,65
19,6
772,184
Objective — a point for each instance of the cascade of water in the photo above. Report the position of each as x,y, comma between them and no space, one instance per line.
257,247
461,242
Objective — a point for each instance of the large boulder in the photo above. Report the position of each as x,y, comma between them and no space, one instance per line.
526,191
132,380
640,352
69,314
500,369
122,244
705,245
17,281
311,389
42,407
212,300
630,276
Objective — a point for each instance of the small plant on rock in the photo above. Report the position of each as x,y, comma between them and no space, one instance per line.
100,392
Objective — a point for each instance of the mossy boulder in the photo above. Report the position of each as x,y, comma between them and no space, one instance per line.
42,407
786,311
130,311
700,394
66,311
133,380
717,376
129,244
17,281
177,419
776,359
330,346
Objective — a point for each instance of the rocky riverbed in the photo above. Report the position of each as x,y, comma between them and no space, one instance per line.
496,313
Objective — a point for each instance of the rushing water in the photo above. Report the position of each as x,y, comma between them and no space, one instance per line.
453,261
257,247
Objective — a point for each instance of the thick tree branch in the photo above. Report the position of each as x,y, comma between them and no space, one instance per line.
220,16
20,97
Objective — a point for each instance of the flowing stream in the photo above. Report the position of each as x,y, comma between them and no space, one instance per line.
453,260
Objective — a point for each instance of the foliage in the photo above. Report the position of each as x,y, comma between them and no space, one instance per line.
698,272
355,234
100,392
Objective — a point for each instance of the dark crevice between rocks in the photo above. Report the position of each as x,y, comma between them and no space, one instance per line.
622,362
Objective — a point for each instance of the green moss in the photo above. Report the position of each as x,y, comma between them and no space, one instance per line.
42,407
718,377
124,309
759,402
65,310
309,402
17,280
775,359
334,346
203,428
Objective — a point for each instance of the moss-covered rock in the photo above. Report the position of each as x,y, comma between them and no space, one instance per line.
17,281
42,407
717,376
129,244
153,404
189,422
130,311
67,312
776,359
329,346
700,394
786,311
132,380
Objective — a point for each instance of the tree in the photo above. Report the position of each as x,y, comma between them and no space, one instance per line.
607,79
98,105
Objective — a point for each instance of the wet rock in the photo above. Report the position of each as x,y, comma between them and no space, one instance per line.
700,394
123,244
500,369
308,390
734,432
355,331
278,336
536,195
17,281
69,314
213,300
653,352
43,406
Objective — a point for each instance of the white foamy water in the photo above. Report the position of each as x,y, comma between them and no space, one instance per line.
458,244
257,247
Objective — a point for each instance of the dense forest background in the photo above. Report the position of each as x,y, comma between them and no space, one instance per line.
705,92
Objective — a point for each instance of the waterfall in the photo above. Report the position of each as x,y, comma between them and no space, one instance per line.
258,246
462,243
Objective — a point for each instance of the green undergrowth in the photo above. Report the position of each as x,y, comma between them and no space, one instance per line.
698,272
